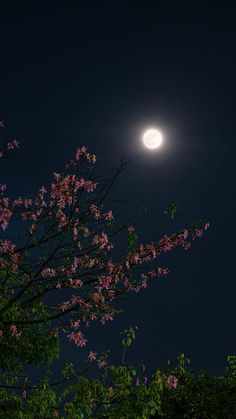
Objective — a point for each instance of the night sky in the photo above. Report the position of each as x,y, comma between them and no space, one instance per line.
99,74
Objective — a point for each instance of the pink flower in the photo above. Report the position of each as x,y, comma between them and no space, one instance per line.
42,190
16,143
75,324
131,229
85,231
18,201
55,413
206,226
101,240
105,318
75,233
95,211
172,381
27,203
5,215
76,283
98,298
102,363
89,185
2,187
28,215
92,158
1,333
186,246
81,152
105,282
62,217
64,306
77,338
198,233
57,176
92,356
109,216
185,234
14,332
90,263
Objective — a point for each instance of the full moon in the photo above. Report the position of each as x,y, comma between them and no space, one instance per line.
152,138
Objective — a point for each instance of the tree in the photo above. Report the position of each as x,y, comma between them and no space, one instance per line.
68,245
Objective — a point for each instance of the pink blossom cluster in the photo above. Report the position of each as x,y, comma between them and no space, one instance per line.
26,202
75,283
88,262
5,213
75,301
172,382
48,273
82,152
168,243
14,332
157,272
62,219
64,189
105,291
7,249
94,210
63,194
105,282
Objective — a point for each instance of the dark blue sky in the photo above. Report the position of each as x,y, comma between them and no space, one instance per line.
74,75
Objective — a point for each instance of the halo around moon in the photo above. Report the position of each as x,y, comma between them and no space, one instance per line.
152,138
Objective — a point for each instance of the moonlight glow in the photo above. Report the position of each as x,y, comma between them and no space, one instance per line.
152,138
